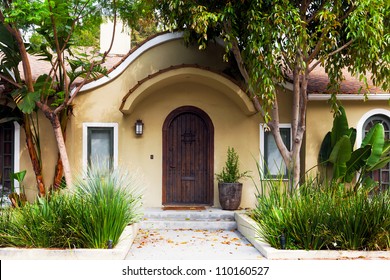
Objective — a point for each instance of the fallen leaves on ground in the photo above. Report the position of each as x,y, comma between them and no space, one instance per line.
153,237
180,242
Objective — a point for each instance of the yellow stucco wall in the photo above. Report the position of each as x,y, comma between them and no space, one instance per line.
232,128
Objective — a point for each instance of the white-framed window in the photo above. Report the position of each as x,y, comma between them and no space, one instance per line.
100,145
368,120
271,161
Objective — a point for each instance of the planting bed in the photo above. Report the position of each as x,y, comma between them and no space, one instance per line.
248,228
119,252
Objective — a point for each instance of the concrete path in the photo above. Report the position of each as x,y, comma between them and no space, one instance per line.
170,244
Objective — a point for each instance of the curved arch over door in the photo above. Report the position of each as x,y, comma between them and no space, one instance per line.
188,158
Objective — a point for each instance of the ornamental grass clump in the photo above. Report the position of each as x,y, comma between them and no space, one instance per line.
321,217
95,212
47,223
107,201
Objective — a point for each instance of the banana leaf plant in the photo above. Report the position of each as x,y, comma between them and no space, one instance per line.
18,199
341,163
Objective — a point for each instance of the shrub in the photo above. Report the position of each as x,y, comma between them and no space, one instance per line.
231,172
96,211
107,201
316,217
44,224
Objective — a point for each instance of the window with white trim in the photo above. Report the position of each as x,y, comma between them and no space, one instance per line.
100,144
382,176
6,157
272,162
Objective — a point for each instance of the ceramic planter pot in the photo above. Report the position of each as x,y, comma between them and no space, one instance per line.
230,195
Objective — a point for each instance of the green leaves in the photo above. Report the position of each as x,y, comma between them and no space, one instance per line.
339,156
357,161
373,154
230,172
26,100
375,137
340,126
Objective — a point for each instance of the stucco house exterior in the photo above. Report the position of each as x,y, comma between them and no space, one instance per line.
192,108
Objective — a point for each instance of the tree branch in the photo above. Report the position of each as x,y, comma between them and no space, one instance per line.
10,81
316,49
330,54
59,52
275,130
310,19
23,53
296,101
348,12
241,66
113,34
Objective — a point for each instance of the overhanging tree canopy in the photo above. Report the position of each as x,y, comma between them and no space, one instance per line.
284,40
52,93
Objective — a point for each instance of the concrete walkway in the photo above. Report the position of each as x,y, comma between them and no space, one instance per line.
165,240
170,244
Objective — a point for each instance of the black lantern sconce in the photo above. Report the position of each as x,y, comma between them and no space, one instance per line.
139,127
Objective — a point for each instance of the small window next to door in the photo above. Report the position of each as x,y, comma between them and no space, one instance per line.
382,176
6,157
272,162
100,146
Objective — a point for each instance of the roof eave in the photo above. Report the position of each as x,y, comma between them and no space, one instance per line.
370,96
155,41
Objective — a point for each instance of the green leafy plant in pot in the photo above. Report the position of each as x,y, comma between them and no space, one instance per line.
230,189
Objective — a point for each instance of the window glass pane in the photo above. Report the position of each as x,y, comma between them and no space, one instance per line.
6,157
100,147
274,164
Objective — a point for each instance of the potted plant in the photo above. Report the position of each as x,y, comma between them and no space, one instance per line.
230,189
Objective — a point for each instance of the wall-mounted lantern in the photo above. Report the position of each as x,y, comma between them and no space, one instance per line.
139,127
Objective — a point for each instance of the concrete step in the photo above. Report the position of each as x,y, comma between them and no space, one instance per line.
209,219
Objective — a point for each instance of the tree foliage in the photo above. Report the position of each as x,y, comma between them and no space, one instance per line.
274,42
56,25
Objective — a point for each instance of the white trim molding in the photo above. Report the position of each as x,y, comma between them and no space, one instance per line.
16,153
85,141
262,148
363,119
158,40
370,96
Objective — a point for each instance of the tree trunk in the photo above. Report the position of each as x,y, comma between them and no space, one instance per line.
55,122
59,169
62,149
58,174
27,128
34,157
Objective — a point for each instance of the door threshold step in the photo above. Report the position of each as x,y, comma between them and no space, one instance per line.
184,208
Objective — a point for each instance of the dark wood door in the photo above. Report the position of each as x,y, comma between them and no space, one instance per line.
188,137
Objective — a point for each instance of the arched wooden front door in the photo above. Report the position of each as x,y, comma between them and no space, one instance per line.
188,152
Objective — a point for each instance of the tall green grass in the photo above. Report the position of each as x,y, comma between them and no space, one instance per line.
95,211
44,224
318,217
107,202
